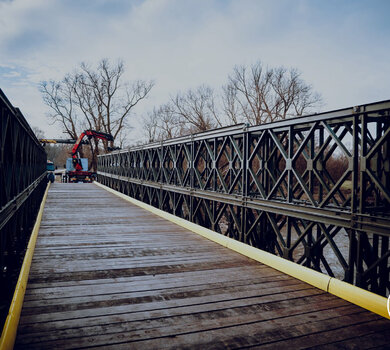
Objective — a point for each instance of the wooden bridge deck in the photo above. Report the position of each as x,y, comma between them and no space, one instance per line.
109,274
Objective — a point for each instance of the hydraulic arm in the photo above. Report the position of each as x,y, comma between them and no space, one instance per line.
90,134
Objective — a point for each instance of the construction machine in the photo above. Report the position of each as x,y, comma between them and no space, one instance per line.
76,167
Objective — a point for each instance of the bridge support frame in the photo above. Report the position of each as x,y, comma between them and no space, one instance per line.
314,190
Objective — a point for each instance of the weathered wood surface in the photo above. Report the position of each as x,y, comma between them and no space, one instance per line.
108,274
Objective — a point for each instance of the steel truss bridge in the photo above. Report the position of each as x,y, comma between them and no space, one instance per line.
314,190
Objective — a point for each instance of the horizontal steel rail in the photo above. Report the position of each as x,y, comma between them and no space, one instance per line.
314,189
22,184
13,205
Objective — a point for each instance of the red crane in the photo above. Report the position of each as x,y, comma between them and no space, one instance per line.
89,133
78,174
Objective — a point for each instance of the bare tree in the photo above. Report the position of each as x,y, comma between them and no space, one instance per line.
59,97
253,95
230,105
169,125
259,95
196,109
97,99
162,123
103,100
150,126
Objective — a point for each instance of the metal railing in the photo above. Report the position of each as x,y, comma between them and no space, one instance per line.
22,185
314,189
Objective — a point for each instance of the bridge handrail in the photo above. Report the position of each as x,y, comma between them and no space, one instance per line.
292,187
22,183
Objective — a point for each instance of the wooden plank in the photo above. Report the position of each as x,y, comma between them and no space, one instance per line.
170,325
90,305
194,294
237,336
236,273
222,331
157,309
356,335
369,339
156,284
107,273
123,272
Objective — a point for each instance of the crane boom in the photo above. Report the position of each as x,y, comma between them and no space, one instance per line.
66,141
90,134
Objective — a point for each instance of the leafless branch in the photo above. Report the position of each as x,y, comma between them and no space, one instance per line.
95,99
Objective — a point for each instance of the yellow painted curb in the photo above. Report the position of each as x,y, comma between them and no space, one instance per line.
8,335
358,296
346,291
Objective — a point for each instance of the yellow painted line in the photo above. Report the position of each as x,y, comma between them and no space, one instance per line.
8,335
346,291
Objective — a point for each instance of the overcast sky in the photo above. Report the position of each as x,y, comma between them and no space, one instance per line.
341,47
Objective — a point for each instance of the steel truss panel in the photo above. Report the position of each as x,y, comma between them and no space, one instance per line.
314,190
22,184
